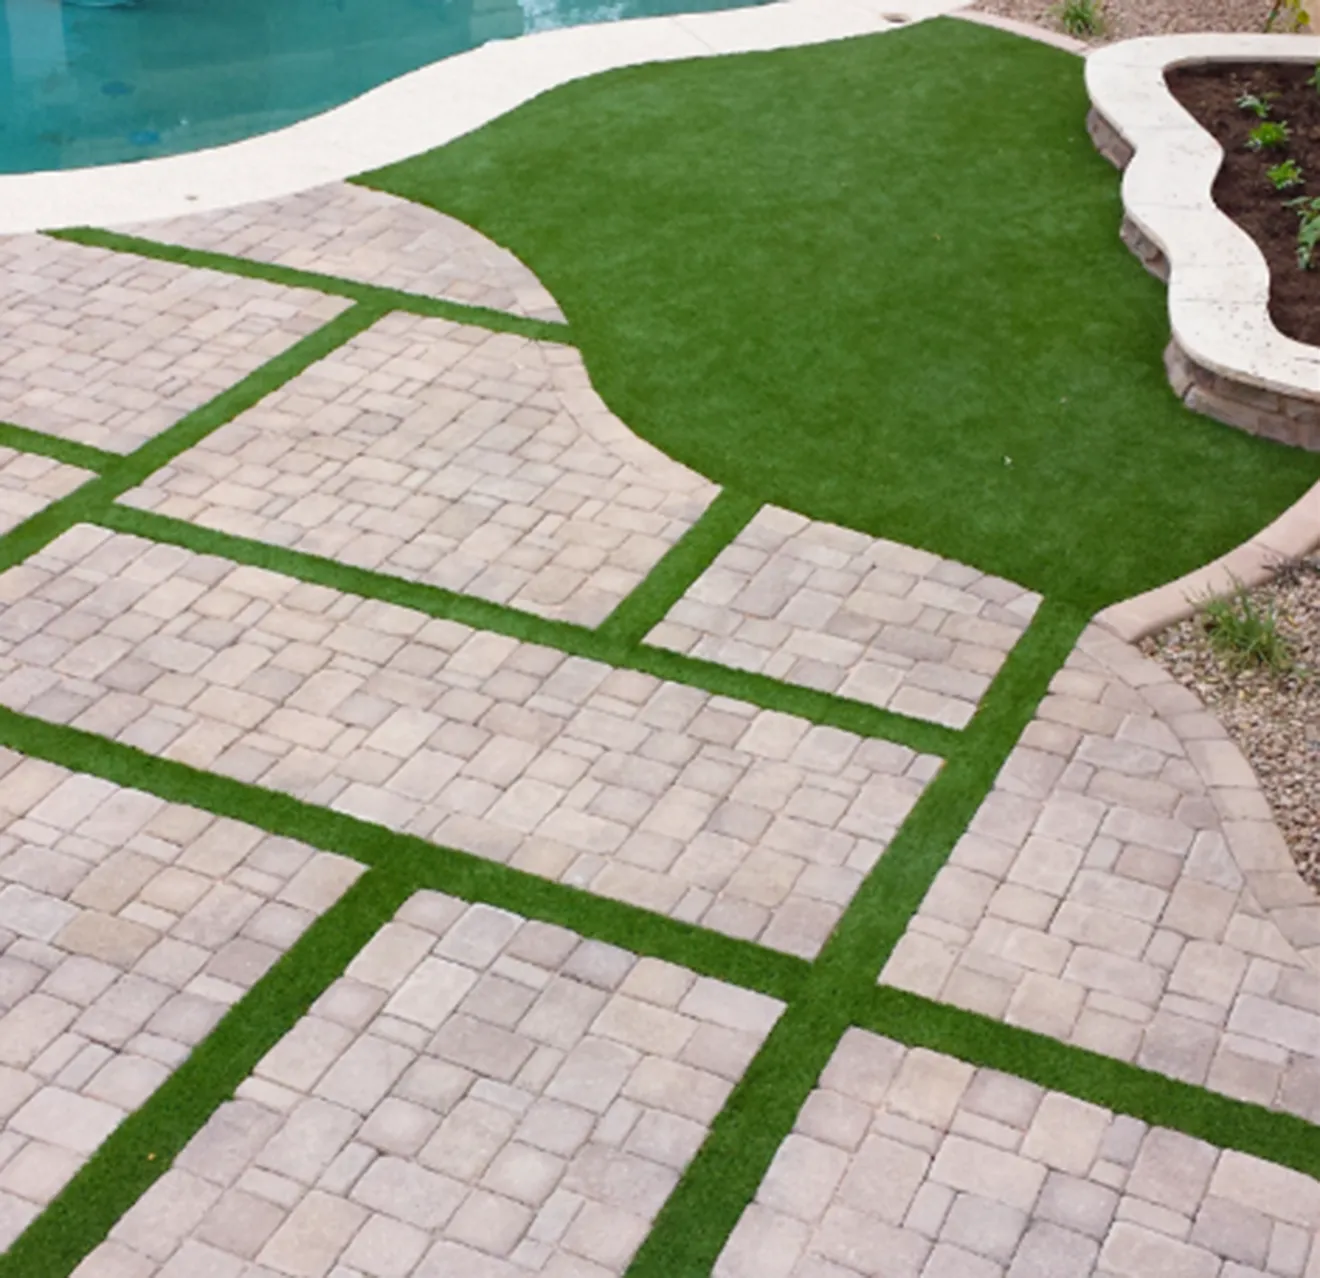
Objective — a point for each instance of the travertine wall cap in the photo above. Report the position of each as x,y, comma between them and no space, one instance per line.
1219,282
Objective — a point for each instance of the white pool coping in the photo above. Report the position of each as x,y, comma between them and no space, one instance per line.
423,109
1218,279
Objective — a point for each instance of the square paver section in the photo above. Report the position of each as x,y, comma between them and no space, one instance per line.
824,606
477,1095
707,809
109,349
359,234
479,462
1111,894
128,927
29,483
909,1164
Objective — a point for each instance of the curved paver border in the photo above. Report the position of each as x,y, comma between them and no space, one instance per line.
1219,282
1295,533
421,110
1253,839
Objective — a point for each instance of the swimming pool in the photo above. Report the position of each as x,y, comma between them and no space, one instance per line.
86,83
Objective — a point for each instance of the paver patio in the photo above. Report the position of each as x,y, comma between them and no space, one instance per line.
442,835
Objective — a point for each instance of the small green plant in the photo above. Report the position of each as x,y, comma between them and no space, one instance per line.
1314,81
1308,232
1286,175
1268,135
1245,634
1079,18
1258,106
1291,15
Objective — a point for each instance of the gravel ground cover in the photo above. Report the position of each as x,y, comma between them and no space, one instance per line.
1127,19
1273,717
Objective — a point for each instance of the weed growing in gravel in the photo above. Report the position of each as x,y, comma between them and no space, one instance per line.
1258,106
1308,233
1292,12
1285,176
1244,634
1079,18
1268,135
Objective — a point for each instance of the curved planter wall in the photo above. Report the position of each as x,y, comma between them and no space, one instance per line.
1225,358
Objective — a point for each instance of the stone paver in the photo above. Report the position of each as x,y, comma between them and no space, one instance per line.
824,606
29,483
476,461
478,1095
711,810
359,234
128,926
908,1164
1124,888
109,350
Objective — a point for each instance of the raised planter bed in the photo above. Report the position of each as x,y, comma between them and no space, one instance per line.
1226,358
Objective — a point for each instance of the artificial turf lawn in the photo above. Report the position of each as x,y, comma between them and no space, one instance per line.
878,282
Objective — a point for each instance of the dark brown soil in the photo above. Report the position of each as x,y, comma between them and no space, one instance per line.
1243,191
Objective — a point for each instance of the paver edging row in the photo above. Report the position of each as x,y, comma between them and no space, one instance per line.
1256,845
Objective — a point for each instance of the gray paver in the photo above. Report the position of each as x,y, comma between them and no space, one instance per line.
820,605
1145,920
453,706
109,349
927,1198
350,231
476,461
532,1172
29,483
103,997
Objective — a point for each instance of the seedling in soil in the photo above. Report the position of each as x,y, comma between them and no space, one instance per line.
1269,135
1308,233
1079,17
1244,634
1285,176
1258,106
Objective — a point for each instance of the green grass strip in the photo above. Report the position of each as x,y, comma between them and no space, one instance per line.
126,472
695,1223
578,641
384,299
405,856
83,456
142,1148
1116,1085
679,568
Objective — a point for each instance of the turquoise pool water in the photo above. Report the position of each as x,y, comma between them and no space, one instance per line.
83,82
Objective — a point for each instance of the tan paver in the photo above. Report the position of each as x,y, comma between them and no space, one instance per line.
907,1164
128,926
109,350
349,231
29,483
1123,888
476,461
820,605
478,1095
701,807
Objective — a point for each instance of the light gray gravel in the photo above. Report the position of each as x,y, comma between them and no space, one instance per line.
1126,19
1275,719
